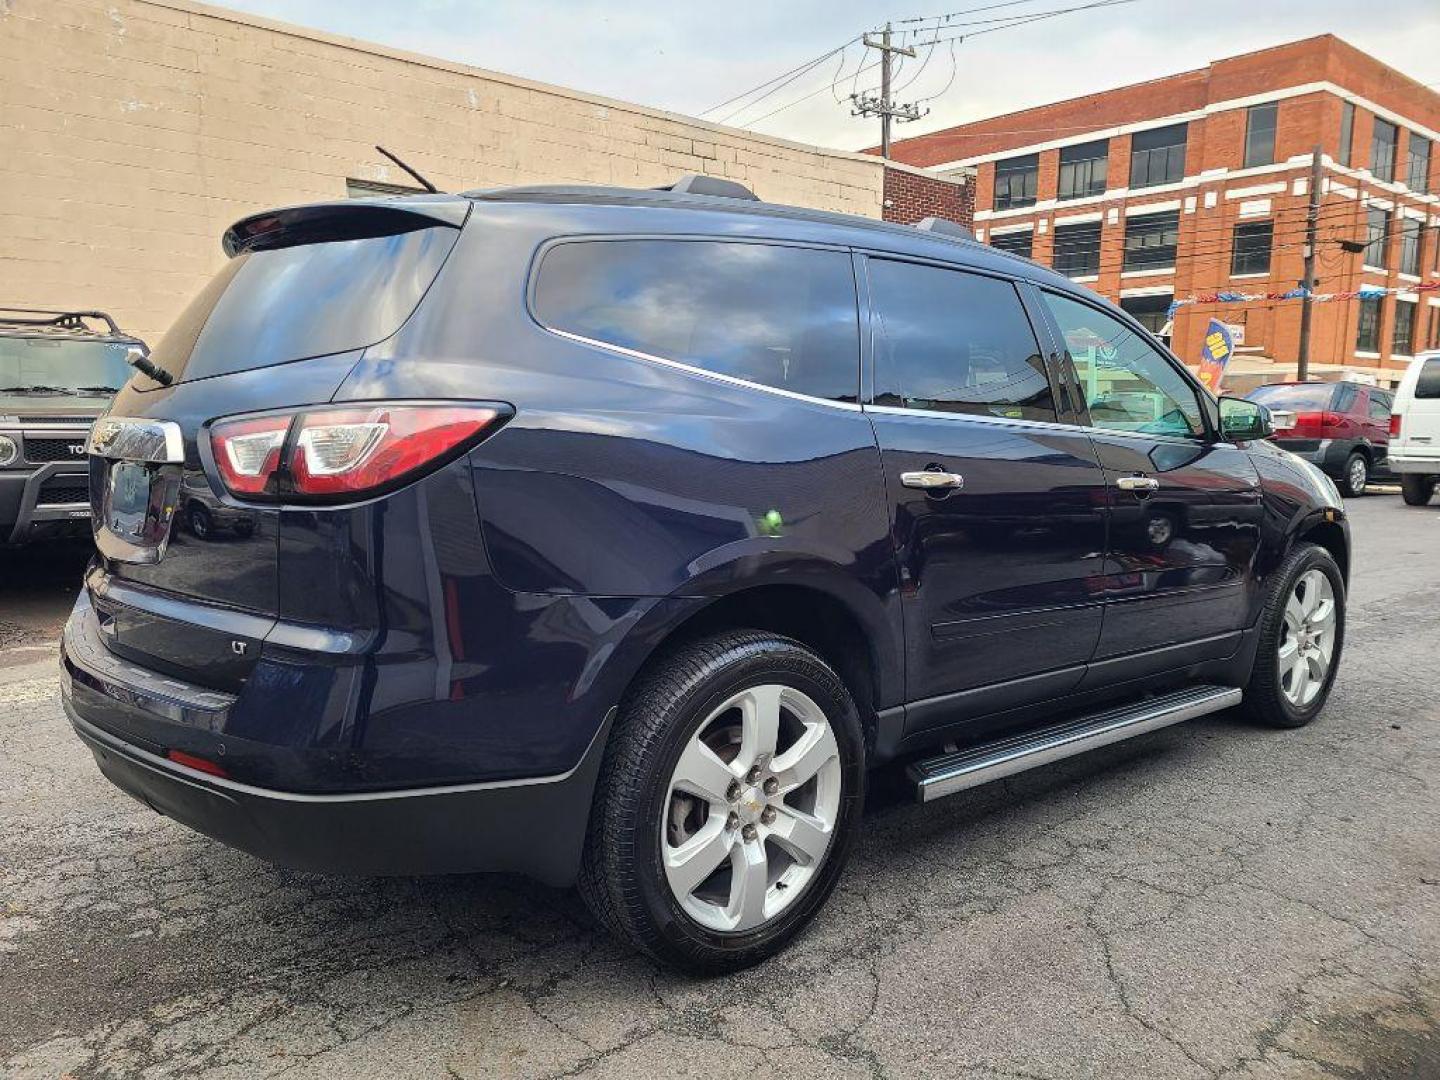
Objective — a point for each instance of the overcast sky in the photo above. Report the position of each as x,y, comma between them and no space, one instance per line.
689,57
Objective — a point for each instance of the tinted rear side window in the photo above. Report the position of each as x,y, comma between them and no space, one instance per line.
1428,384
271,307
955,342
775,315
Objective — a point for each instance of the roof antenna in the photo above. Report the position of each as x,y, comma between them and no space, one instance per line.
426,184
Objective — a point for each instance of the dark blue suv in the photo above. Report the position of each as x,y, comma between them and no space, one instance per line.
611,536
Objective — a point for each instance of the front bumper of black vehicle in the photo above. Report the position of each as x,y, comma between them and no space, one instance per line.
533,826
35,502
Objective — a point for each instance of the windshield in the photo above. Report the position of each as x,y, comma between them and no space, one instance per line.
50,364
1297,397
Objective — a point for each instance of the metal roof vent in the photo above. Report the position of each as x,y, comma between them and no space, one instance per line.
695,184
945,227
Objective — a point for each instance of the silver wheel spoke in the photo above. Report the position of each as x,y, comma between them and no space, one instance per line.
688,865
760,725
750,878
803,836
701,772
799,764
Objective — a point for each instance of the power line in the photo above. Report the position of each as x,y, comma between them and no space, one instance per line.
801,69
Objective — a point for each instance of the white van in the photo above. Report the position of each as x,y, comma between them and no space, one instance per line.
1415,429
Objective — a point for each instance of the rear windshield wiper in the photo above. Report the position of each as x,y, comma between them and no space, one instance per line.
36,390
97,389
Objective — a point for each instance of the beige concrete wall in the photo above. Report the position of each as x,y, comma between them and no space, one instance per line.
132,132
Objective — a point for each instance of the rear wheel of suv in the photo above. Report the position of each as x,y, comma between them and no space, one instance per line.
1356,477
1302,631
726,805
1416,490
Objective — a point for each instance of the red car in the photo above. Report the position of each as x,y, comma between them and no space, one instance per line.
1343,427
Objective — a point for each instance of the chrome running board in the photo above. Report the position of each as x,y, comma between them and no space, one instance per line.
937,777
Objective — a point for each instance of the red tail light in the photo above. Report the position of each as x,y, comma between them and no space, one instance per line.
192,761
1394,425
1308,425
342,451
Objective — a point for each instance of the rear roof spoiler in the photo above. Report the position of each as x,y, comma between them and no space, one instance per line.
347,219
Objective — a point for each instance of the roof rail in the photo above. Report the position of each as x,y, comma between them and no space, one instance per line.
945,227
695,184
59,320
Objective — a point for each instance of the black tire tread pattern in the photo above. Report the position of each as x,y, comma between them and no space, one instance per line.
609,880
1264,697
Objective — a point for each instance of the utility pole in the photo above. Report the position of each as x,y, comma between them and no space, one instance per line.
883,107
1312,219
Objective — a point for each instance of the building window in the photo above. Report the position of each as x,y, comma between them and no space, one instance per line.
1021,242
1260,134
1410,233
1077,249
1083,169
1157,156
1016,181
1382,150
1417,172
370,189
1151,240
1367,336
1403,338
1347,132
1251,252
1151,312
1377,231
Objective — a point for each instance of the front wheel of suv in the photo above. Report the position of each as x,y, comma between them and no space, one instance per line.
727,801
1416,490
1302,631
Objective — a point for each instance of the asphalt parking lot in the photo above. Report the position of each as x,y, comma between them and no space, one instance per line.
1212,900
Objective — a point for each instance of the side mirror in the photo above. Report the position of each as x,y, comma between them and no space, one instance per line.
1243,421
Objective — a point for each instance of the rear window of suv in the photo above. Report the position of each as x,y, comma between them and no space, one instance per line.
291,303
772,314
1307,397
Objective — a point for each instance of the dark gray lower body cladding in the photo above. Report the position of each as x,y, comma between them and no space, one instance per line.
937,777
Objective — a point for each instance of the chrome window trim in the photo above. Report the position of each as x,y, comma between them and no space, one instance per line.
678,365
1046,425
166,444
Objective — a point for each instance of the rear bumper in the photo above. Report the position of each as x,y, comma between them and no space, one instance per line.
122,712
1415,466
532,827
25,513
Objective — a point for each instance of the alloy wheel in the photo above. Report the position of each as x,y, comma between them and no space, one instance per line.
1307,642
1359,475
751,808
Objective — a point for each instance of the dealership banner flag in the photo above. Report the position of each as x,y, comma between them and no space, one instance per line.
1215,354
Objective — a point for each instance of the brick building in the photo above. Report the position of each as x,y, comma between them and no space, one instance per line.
1198,184
133,132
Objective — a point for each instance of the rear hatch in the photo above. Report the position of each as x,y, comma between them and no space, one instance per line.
1304,413
1417,409
187,581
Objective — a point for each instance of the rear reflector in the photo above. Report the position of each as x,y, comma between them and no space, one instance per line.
199,764
343,451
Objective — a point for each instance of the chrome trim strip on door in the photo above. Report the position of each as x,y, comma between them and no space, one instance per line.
128,439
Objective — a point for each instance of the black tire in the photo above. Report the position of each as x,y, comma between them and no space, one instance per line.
1265,699
1356,477
198,518
1416,490
622,879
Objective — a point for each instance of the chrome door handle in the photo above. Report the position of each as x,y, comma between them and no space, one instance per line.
932,480
1137,483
